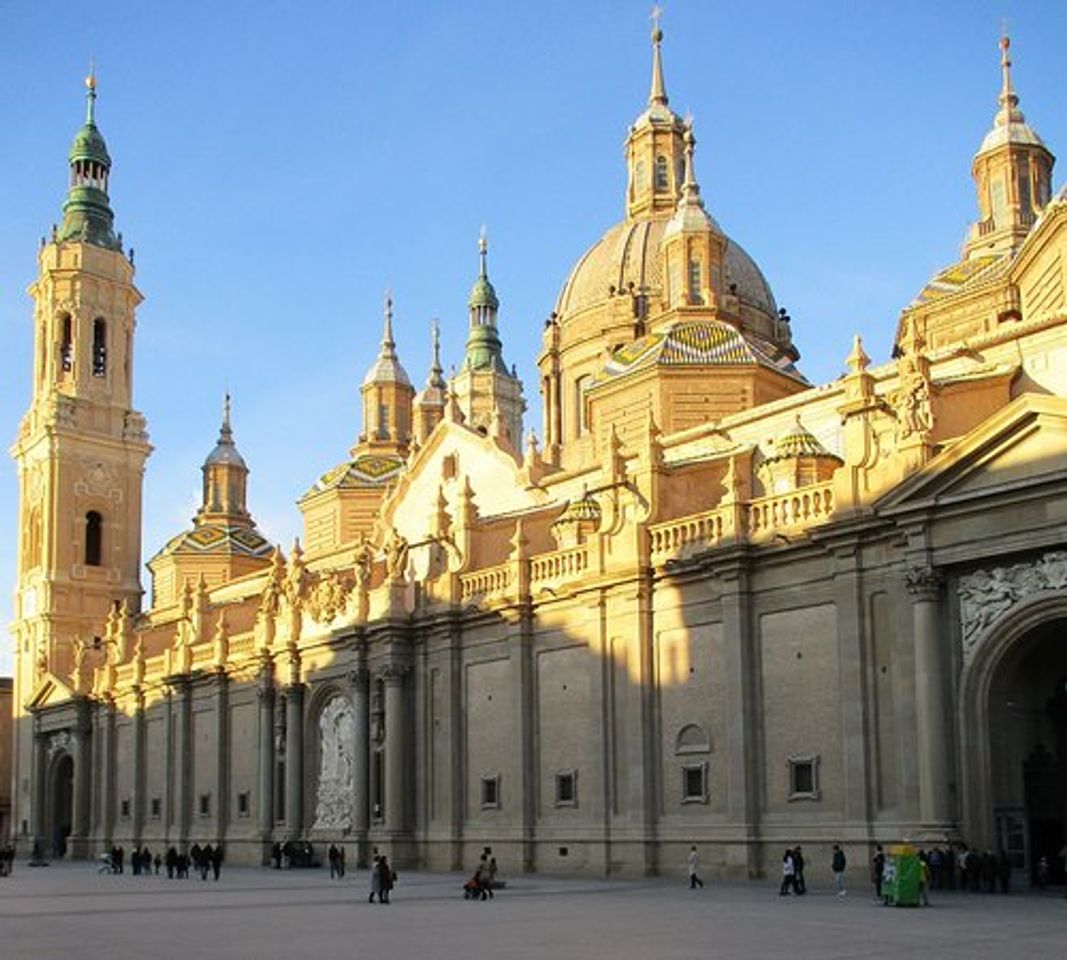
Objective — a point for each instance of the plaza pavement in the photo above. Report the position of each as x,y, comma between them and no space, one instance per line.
70,911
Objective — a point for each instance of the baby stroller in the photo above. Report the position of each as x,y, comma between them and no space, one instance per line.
472,889
107,864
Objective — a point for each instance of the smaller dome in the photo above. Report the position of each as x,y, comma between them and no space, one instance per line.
797,441
89,145
387,370
483,295
225,454
1021,133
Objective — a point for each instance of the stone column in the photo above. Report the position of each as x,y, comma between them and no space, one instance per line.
294,759
167,798
933,751
106,740
222,756
393,674
182,800
40,785
743,756
82,755
358,679
265,801
137,801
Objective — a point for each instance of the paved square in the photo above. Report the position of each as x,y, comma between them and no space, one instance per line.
70,911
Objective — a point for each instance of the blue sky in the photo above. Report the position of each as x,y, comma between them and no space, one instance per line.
277,165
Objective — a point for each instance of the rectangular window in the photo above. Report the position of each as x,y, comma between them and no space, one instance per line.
157,808
378,772
124,809
804,777
567,788
490,793
279,793
244,804
204,805
695,783
695,296
99,348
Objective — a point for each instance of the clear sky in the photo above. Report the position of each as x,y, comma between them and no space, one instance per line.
277,165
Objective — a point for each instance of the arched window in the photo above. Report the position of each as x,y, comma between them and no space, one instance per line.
662,178
99,347
66,343
94,538
581,416
383,421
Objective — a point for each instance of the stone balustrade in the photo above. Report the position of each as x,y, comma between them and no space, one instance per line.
798,508
678,538
559,565
490,583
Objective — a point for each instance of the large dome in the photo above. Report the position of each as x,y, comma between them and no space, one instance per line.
630,253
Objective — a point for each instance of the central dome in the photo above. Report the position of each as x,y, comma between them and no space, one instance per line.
629,258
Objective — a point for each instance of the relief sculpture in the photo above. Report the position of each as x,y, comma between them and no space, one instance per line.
337,731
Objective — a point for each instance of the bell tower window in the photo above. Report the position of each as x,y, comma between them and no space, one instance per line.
99,347
94,539
662,177
66,343
694,282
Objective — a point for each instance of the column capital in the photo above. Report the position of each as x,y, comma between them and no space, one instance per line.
358,678
924,582
394,671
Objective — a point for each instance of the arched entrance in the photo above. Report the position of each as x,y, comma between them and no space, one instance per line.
1015,720
60,803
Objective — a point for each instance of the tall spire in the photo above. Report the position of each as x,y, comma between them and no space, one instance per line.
436,370
658,93
386,367
690,187
87,215
1009,101
388,344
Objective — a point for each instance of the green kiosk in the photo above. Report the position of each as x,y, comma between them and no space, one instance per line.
902,876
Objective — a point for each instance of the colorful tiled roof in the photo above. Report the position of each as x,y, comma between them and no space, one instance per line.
368,470
217,538
694,343
797,441
962,275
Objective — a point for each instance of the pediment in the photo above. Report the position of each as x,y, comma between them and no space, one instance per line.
1022,445
453,454
49,692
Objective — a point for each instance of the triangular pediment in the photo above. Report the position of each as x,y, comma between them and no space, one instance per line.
1022,445
453,454
50,690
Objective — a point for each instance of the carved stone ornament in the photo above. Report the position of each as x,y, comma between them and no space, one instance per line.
986,595
59,742
337,747
924,583
328,597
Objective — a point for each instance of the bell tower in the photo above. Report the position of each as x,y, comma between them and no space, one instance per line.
81,447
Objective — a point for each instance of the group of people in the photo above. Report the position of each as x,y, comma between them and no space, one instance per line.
204,860
382,879
336,856
793,872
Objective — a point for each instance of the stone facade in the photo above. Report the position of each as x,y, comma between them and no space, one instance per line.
718,605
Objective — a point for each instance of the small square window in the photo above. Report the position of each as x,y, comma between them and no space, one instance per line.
244,804
204,806
157,807
695,783
567,788
124,808
490,793
804,777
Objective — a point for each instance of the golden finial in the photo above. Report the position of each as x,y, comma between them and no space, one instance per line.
90,80
657,12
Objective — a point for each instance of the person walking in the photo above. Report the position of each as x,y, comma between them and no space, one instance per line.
798,866
693,865
375,880
388,878
878,870
216,861
332,857
789,875
837,865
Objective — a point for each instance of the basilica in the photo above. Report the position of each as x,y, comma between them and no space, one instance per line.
705,601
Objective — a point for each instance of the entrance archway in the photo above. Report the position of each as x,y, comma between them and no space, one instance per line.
1015,719
60,803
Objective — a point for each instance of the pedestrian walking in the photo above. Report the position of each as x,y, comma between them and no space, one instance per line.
693,866
798,867
789,875
878,870
332,857
375,880
388,879
838,864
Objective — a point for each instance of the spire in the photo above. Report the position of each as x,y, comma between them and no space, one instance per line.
690,187
225,477
87,215
436,370
225,451
1009,101
658,93
387,368
484,349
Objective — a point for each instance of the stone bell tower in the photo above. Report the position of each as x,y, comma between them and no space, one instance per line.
81,447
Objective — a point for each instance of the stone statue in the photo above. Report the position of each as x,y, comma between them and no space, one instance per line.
272,591
221,642
78,649
396,557
337,748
